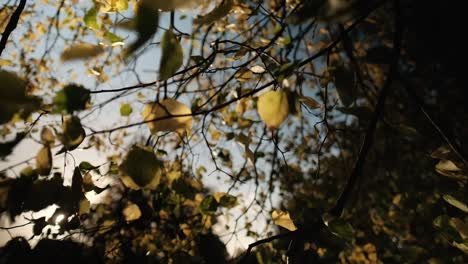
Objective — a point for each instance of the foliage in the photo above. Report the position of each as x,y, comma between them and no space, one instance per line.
326,131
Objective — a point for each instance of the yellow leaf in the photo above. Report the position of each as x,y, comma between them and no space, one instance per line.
257,69
283,219
81,51
47,136
131,212
273,108
73,133
161,112
460,226
84,206
447,165
44,161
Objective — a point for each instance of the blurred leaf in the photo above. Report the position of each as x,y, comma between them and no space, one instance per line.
113,5
44,161
463,246
460,226
166,108
169,5
90,19
73,134
113,38
131,212
283,219
309,102
13,98
47,136
208,205
457,203
84,165
81,51
146,25
142,168
171,55
216,14
125,109
273,108
7,147
257,69
71,98
344,83
228,201
342,229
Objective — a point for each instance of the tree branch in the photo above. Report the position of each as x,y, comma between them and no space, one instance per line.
263,241
337,210
11,25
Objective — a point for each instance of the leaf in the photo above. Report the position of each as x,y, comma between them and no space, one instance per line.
162,111
84,165
72,98
228,201
243,75
131,212
125,109
47,136
44,161
141,168
73,134
463,246
146,25
460,226
341,228
13,98
283,219
344,83
447,165
113,5
458,204
208,205
309,102
90,19
216,14
171,55
257,69
81,51
114,39
7,147
273,108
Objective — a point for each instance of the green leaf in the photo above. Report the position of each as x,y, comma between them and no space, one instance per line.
216,14
125,109
84,165
172,55
90,19
71,98
208,205
113,38
142,167
342,229
457,203
228,201
146,24
344,83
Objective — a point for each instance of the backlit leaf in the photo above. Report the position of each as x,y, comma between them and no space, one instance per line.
209,205
72,98
146,25
162,111
309,102
283,219
47,136
73,133
125,109
457,203
44,161
90,18
273,108
131,212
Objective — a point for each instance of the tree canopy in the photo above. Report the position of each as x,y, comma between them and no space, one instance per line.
305,131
